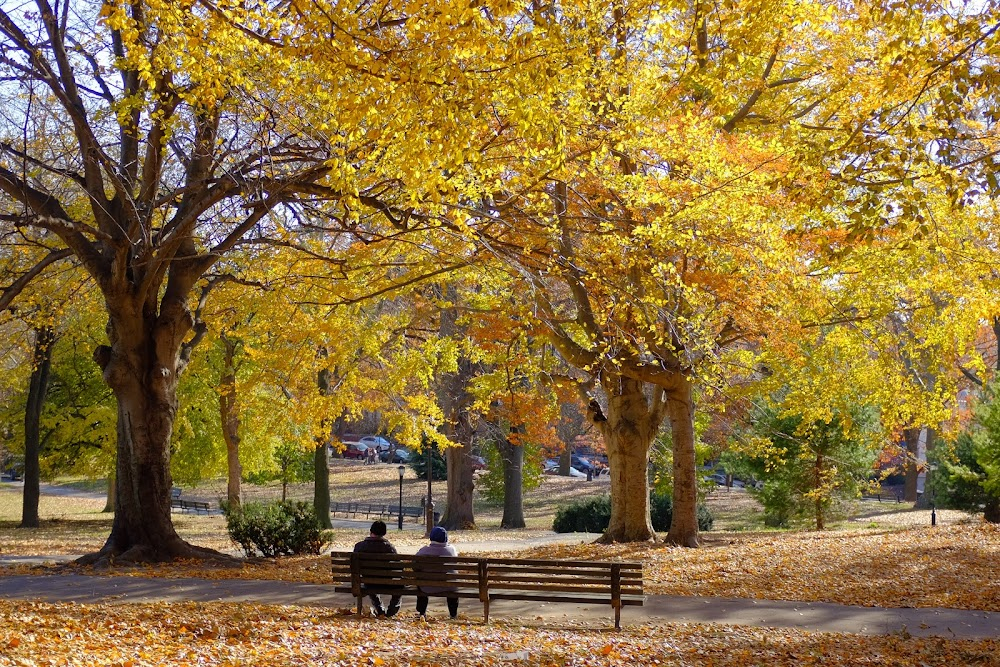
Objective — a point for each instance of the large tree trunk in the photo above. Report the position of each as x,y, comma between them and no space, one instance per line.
230,419
680,410
513,484
456,403
912,438
37,388
141,367
628,433
321,463
458,513
321,487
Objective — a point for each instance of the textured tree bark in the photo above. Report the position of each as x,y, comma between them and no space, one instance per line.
321,486
321,463
230,418
513,484
458,513
684,521
109,503
37,388
628,434
141,367
456,403
912,438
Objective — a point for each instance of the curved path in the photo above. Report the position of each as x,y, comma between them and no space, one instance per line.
950,623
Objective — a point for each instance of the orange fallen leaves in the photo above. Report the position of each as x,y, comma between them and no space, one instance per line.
947,566
142,635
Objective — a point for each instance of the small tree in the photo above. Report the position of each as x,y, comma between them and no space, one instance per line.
295,464
808,468
439,467
966,474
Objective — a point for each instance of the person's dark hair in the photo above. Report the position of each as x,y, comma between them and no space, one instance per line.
378,528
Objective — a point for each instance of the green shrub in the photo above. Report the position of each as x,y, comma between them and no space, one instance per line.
661,510
275,529
589,515
592,515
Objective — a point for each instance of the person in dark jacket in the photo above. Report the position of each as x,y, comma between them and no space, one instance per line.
376,543
438,547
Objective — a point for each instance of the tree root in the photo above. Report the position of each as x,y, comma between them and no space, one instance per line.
608,538
111,555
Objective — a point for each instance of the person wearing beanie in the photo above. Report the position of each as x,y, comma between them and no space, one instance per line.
376,543
438,547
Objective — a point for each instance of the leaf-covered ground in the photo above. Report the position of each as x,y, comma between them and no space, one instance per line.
947,566
42,634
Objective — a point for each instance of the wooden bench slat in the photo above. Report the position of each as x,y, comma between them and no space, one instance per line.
554,562
590,582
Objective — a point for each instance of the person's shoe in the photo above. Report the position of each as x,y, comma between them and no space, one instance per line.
378,613
392,612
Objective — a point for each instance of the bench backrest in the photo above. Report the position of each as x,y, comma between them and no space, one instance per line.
386,572
596,577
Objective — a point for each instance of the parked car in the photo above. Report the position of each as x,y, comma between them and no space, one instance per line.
551,467
355,451
582,464
478,462
397,455
378,442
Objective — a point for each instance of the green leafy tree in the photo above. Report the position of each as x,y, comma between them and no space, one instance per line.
492,484
966,474
809,468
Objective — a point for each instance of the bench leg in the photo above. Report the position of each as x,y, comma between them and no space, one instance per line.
618,618
486,612
360,598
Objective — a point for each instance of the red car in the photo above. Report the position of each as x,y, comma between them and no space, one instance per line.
353,451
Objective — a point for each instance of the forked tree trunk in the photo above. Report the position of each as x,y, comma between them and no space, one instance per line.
512,457
684,521
38,387
230,419
628,433
141,367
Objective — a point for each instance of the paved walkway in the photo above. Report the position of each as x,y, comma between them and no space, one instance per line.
949,623
817,616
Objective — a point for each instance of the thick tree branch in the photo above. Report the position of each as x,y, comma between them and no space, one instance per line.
11,292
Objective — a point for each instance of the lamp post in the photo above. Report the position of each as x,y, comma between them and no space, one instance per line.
429,507
401,469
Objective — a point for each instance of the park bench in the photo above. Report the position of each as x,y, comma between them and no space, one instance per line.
381,511
197,506
487,579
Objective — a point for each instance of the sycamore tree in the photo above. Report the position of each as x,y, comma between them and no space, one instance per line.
173,133
686,164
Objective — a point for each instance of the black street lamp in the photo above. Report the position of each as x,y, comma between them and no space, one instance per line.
401,469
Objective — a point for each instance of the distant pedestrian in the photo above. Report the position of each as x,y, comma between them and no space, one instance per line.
376,543
438,547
